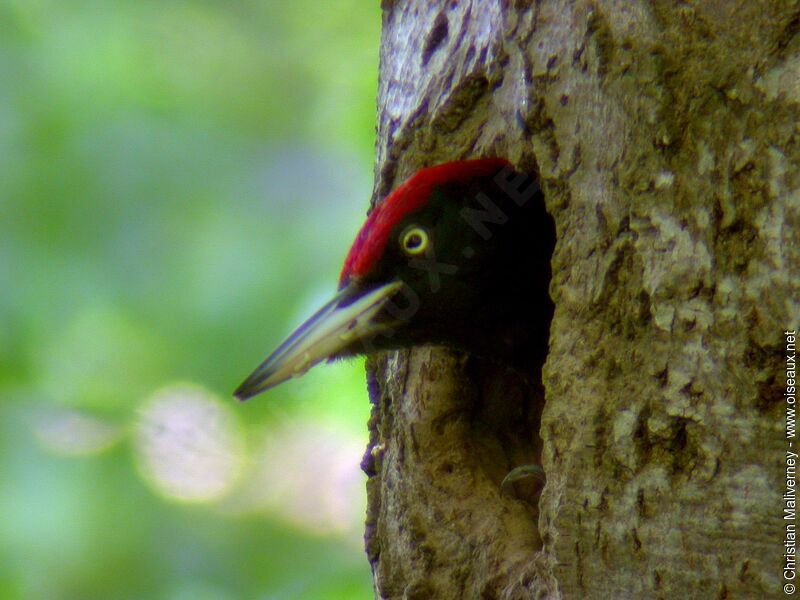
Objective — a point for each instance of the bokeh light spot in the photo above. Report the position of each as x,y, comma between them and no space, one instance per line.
307,473
188,444
72,433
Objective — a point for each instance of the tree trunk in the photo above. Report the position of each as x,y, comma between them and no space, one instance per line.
666,136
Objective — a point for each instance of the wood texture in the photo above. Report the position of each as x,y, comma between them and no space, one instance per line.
666,135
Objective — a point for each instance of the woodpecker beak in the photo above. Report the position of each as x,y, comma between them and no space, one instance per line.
342,321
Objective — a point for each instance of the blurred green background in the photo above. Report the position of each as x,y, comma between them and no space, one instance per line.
179,183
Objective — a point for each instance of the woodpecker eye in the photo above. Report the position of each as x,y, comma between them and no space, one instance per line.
414,241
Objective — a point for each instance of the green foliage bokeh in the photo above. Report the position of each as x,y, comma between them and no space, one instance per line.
179,182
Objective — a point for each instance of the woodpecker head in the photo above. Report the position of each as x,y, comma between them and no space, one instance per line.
458,255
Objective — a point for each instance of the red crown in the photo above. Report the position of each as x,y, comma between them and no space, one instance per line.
412,195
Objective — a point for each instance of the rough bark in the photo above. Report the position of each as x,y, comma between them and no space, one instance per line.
666,135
